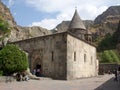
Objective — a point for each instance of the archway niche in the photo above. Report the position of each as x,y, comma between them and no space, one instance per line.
36,59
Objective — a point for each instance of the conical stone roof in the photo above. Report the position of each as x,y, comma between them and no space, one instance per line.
76,22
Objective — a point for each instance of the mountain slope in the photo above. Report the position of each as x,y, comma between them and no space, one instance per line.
19,32
6,15
63,26
112,12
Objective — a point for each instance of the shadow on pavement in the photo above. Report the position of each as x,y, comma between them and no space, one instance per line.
109,85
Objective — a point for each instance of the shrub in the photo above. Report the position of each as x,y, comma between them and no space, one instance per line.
109,56
12,59
5,28
106,57
114,56
106,43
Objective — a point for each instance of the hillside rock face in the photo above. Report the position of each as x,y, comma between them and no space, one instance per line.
22,33
19,32
107,22
63,26
5,13
112,13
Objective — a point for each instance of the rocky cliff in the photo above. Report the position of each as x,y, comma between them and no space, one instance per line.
5,13
112,13
19,32
63,26
107,22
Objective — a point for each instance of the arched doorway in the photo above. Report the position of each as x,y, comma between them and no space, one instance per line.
37,61
38,70
37,67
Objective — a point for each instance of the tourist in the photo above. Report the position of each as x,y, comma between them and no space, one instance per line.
38,72
34,71
25,77
116,75
18,77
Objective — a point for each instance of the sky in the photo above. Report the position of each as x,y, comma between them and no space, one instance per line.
49,13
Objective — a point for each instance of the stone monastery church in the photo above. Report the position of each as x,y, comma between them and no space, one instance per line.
67,55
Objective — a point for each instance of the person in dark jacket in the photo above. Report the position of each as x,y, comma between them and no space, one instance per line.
116,75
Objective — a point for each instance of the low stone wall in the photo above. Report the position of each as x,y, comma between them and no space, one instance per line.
7,79
107,68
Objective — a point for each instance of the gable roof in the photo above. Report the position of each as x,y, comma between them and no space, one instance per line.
50,35
76,22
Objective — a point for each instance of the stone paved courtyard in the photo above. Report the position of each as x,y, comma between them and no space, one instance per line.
105,82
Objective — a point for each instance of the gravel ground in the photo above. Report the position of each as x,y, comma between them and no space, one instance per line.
104,82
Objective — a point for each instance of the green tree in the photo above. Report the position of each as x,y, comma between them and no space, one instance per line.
114,56
116,35
109,56
106,58
106,43
12,59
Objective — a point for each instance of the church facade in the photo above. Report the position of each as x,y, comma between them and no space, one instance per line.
67,55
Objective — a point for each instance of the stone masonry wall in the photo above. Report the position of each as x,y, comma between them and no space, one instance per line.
48,51
81,59
108,68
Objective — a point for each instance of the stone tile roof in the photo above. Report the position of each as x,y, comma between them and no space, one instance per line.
76,22
51,35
